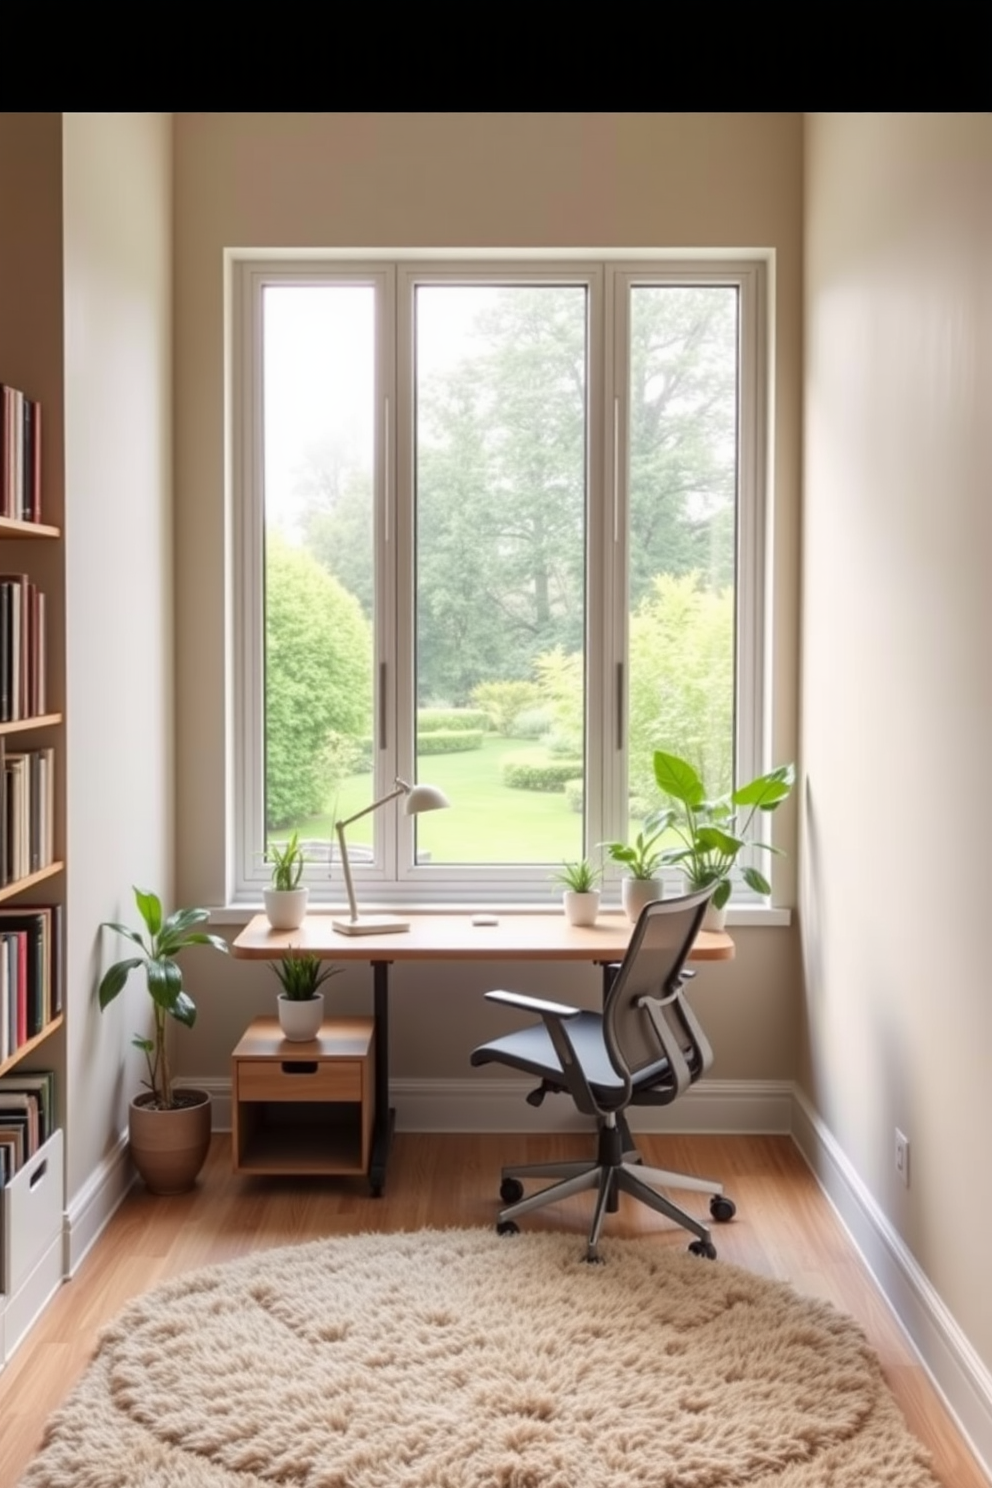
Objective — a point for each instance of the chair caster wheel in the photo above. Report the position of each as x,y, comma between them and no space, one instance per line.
704,1248
507,1227
722,1209
510,1190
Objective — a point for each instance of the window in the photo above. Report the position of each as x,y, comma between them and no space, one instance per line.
499,528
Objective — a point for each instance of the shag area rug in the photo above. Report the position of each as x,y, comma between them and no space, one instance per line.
459,1358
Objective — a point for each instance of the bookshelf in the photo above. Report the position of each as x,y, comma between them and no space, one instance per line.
31,908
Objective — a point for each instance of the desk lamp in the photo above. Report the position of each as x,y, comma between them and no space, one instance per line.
418,798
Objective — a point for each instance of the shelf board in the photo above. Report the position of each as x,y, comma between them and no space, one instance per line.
11,527
21,884
40,720
32,1043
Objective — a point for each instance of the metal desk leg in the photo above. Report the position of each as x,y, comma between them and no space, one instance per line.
382,1128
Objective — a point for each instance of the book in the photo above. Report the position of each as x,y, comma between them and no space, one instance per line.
42,1084
35,925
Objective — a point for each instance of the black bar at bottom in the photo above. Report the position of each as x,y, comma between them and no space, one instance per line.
382,1127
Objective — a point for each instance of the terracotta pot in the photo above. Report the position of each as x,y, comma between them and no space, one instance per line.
636,892
300,1021
581,908
286,908
169,1148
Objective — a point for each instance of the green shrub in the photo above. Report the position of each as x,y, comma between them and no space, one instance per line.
449,741
575,795
432,720
504,701
532,723
539,775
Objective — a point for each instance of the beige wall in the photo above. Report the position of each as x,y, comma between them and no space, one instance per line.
897,684
118,433
473,181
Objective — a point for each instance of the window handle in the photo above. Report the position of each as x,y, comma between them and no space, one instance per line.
387,483
619,704
616,470
382,705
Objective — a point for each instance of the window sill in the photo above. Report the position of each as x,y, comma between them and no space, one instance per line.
739,916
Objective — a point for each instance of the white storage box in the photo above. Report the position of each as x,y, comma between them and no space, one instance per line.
32,1213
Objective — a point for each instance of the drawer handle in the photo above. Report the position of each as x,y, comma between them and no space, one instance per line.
38,1173
300,1067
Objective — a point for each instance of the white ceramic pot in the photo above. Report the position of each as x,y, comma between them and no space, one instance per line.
286,908
580,908
714,919
300,1021
636,892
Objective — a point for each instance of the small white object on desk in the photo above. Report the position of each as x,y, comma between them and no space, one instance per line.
484,919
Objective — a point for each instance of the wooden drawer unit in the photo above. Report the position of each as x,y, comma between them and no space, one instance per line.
303,1108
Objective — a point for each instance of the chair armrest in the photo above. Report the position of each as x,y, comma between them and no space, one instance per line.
534,1004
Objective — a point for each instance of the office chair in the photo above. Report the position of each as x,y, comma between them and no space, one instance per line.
645,1048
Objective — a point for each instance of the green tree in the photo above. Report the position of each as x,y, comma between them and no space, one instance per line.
318,680
681,682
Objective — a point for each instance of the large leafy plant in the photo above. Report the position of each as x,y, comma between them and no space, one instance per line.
713,832
163,939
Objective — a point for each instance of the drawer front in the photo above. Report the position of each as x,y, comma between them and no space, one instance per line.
32,1206
299,1079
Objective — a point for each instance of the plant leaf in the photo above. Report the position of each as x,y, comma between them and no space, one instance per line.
714,839
115,979
165,982
150,909
765,792
756,881
721,893
184,1010
676,777
126,931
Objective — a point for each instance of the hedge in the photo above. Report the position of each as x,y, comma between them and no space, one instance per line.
449,741
434,720
549,775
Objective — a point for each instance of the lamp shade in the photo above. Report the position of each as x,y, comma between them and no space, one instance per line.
425,798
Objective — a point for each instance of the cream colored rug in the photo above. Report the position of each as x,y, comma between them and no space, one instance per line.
456,1359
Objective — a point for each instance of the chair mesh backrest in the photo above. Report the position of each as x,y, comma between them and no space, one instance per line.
656,954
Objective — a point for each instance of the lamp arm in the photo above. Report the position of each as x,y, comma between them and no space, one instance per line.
346,869
401,789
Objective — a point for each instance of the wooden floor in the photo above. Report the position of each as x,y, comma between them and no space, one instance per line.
784,1228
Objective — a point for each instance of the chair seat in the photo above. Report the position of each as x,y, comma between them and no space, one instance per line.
531,1050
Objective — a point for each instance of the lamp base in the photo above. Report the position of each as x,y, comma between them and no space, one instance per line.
370,925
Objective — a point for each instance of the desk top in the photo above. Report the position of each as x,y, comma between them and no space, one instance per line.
440,937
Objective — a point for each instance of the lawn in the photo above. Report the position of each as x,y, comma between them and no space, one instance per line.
488,822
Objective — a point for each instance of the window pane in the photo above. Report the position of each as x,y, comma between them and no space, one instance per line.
500,569
318,392
683,477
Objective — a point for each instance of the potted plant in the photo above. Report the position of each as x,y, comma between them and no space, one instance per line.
642,859
286,898
301,1003
580,897
169,1129
713,832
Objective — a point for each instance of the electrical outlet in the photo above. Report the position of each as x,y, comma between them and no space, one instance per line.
902,1156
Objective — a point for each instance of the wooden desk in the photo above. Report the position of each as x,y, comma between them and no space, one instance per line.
449,937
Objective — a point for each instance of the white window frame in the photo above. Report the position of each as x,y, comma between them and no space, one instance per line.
393,878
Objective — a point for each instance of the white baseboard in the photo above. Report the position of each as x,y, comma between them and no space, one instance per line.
92,1208
957,1372
498,1105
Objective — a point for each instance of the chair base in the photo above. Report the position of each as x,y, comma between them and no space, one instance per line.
614,1171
